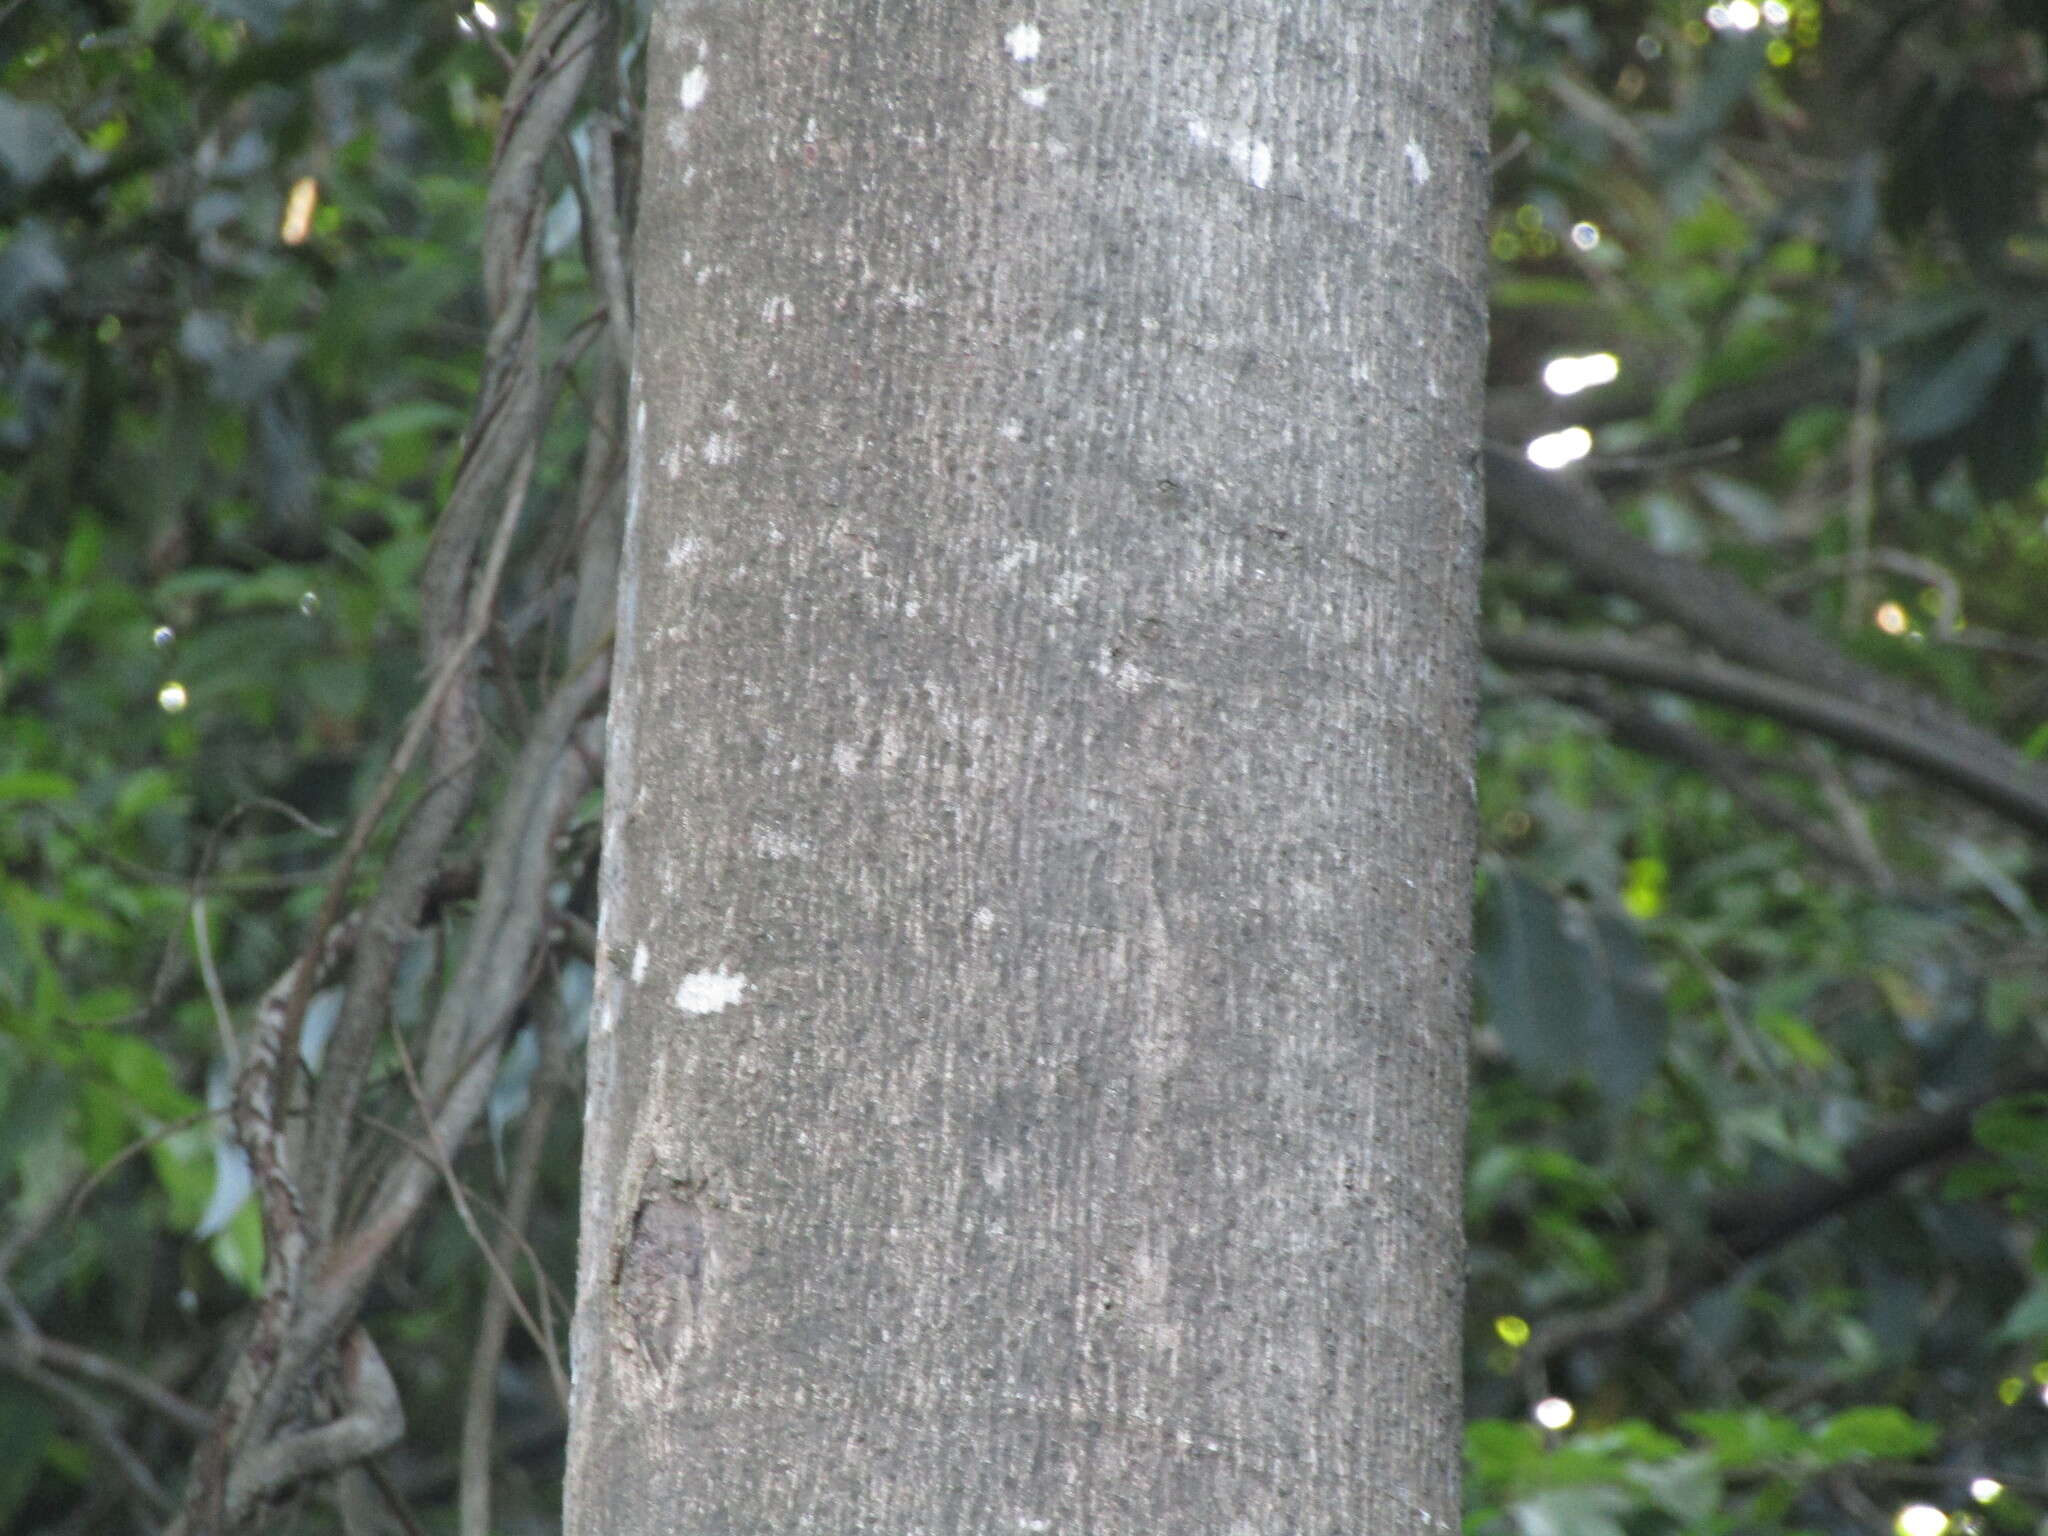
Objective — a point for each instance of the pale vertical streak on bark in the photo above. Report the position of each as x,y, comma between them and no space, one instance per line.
1027,1072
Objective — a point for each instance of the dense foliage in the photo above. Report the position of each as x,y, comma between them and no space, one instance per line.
1760,1139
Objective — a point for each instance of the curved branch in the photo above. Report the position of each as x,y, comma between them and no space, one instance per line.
1633,725
1752,1221
371,1420
1568,518
94,1423
2000,779
40,1349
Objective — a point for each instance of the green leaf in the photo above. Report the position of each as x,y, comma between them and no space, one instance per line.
1501,1450
1533,979
412,416
1569,1001
140,1071
143,792
1935,399
31,1425
2027,1322
238,1251
1572,1512
1742,1438
2016,1129
1874,1433
1625,1020
32,784
1688,1488
184,1166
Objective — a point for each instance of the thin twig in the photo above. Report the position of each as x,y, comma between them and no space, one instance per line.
223,1021
41,1349
479,1419
91,1419
508,1287
2000,780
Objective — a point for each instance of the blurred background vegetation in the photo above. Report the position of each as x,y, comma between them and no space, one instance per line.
1759,1158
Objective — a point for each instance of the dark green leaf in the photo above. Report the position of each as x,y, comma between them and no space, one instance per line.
1936,398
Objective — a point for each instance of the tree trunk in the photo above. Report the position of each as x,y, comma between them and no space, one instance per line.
1026,1085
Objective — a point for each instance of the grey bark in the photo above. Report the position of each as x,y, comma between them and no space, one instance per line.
1027,1075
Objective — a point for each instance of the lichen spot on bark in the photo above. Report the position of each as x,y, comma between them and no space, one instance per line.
710,991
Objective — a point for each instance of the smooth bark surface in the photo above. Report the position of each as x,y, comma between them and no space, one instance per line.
1026,1083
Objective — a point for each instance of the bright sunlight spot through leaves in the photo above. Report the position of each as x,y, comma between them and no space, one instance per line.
1552,1413
1554,450
1569,375
1736,16
298,211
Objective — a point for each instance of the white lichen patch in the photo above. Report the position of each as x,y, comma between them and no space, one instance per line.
1023,41
710,991
639,963
846,758
695,84
685,551
1013,429
1418,162
1033,95
1253,159
720,449
1017,554
984,918
774,843
776,308
889,745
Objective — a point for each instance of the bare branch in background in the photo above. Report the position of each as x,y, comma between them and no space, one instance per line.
1798,677
310,1394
